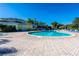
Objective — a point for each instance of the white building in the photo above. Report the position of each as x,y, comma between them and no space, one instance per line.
18,23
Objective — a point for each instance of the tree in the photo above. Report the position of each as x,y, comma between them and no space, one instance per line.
69,26
41,24
54,25
76,23
61,26
7,28
32,23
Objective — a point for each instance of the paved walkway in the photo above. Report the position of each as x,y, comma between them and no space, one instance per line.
27,45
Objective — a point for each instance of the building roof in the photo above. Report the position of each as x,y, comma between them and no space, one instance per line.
12,20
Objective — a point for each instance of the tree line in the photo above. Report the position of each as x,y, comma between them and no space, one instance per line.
37,25
55,25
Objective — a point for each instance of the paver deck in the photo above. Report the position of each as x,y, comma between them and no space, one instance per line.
27,45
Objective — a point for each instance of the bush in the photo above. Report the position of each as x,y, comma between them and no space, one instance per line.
7,28
70,26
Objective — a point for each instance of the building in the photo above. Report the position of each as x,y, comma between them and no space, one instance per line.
18,23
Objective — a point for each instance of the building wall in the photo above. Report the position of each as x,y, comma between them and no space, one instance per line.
23,26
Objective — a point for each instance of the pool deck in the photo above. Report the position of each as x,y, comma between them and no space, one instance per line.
27,45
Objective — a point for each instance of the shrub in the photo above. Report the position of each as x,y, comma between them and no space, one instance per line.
7,28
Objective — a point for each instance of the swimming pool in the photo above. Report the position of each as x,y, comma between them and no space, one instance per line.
49,33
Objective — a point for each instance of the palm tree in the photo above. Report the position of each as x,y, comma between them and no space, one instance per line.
54,25
76,23
61,26
42,25
32,23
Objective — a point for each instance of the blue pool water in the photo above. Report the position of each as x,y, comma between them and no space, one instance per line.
49,33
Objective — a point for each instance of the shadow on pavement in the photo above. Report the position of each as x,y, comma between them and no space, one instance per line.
4,41
4,51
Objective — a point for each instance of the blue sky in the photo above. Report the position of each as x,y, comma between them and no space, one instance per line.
45,12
